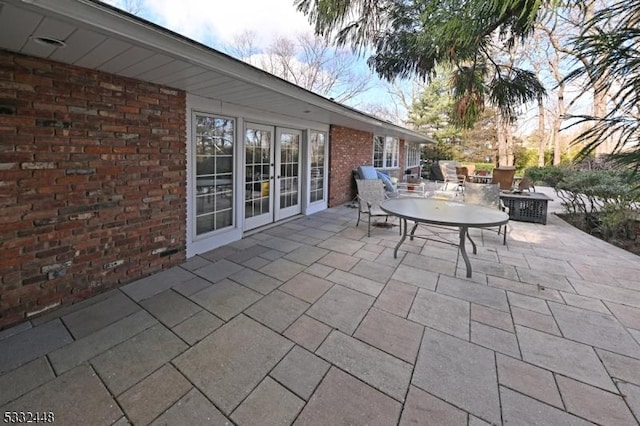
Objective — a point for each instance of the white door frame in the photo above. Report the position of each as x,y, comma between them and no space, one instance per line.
264,180
201,243
280,212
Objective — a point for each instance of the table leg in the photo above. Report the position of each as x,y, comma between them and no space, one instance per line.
413,230
475,250
404,236
463,250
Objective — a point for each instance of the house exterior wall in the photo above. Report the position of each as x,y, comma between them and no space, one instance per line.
92,183
348,149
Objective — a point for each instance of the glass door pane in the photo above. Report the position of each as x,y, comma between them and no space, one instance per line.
317,146
258,145
288,166
214,138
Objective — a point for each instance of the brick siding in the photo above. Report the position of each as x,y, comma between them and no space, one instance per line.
349,149
92,183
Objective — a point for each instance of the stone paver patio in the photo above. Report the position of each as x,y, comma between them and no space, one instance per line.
311,322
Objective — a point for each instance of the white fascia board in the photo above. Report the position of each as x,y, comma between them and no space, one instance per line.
138,32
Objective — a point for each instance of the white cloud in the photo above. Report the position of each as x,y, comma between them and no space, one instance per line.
203,19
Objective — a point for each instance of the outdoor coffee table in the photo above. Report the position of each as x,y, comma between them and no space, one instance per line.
526,206
443,213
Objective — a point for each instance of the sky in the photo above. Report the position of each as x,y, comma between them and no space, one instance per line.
216,23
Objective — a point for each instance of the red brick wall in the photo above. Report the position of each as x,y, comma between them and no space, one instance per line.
348,149
92,172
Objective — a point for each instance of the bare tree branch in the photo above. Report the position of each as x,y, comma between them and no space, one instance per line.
309,61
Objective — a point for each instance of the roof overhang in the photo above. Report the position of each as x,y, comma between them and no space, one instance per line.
101,37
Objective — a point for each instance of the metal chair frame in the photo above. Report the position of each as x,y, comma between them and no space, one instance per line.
371,194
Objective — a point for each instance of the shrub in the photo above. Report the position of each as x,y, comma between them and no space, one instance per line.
484,166
617,220
605,199
547,175
525,158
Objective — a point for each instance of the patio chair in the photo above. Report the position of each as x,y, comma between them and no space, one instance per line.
504,177
449,174
370,194
486,195
466,172
526,183
370,172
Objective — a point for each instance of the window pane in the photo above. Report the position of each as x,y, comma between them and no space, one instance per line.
378,151
223,219
204,165
413,155
214,139
224,165
204,224
317,169
391,150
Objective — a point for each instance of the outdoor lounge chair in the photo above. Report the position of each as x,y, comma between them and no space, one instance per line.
486,195
370,195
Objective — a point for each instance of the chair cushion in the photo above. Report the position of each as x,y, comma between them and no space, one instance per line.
386,180
367,172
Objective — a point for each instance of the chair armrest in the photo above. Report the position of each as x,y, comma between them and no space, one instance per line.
503,207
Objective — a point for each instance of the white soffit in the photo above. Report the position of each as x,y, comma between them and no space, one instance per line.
100,37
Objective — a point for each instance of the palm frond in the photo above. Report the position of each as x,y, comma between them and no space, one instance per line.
517,87
613,58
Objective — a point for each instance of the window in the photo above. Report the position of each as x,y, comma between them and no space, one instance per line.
317,169
385,152
214,138
413,155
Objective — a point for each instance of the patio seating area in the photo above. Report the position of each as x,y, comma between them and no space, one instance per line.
311,322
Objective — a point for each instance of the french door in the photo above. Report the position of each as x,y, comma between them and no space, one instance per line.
272,174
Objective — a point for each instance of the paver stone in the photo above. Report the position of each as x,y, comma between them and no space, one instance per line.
228,364
342,399
459,372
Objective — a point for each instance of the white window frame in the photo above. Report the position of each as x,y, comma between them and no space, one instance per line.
390,153
230,191
324,189
412,151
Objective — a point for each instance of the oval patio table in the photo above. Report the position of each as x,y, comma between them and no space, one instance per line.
444,213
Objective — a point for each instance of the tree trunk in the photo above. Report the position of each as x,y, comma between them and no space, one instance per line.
505,141
556,143
541,135
508,132
557,122
599,111
599,93
502,141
